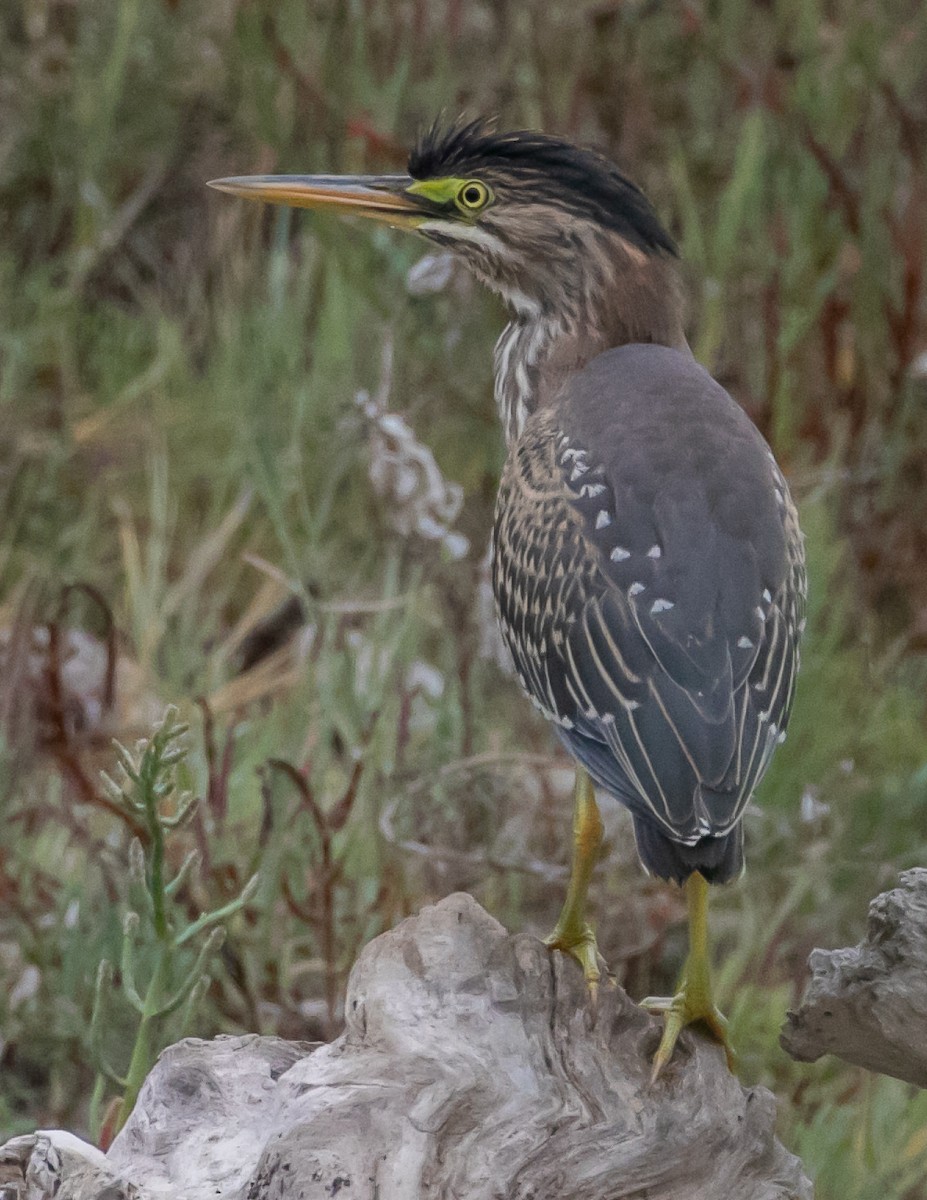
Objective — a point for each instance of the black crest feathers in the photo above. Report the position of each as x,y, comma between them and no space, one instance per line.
549,169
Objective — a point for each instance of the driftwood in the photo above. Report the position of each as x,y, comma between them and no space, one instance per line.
470,1069
868,1005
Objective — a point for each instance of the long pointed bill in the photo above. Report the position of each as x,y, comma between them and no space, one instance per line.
382,197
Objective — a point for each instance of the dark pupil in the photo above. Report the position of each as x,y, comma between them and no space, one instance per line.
472,195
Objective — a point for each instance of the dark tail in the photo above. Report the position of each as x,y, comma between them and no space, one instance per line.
718,859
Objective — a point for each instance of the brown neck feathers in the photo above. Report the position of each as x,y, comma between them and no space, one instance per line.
613,299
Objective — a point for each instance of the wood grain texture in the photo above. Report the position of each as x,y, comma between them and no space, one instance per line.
868,1004
470,1068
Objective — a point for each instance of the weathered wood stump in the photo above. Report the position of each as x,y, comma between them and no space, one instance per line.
868,1005
470,1067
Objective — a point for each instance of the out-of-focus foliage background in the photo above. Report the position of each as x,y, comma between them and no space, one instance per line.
209,409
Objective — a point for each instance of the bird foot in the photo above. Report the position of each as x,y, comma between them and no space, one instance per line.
579,942
689,1005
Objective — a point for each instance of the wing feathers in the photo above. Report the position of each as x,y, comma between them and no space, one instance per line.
660,637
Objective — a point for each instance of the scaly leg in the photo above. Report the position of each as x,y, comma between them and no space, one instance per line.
693,1001
572,933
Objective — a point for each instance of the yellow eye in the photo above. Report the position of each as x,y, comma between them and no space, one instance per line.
472,196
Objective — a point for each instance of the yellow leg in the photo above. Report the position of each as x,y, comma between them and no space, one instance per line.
693,1001
572,933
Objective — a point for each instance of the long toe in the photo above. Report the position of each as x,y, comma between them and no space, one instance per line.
686,1008
580,944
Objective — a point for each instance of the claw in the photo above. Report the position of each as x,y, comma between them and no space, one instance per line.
688,1006
579,944
694,1000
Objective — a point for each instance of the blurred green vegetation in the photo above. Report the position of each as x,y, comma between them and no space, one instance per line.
183,449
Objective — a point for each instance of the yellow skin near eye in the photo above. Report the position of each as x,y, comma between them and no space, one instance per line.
470,195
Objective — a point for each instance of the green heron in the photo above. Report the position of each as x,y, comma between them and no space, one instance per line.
647,561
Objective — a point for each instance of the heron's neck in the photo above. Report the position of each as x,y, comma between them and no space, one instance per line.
542,346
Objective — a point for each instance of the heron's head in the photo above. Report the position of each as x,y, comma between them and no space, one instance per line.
538,219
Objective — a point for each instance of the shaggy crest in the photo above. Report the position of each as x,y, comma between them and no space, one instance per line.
577,178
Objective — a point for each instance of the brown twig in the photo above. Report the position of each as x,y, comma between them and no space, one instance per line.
908,236
218,771
381,144
324,922
60,746
912,128
108,698
97,850
328,874
841,189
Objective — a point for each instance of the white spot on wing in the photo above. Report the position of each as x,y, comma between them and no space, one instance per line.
619,554
635,589
659,606
654,552
602,519
744,644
